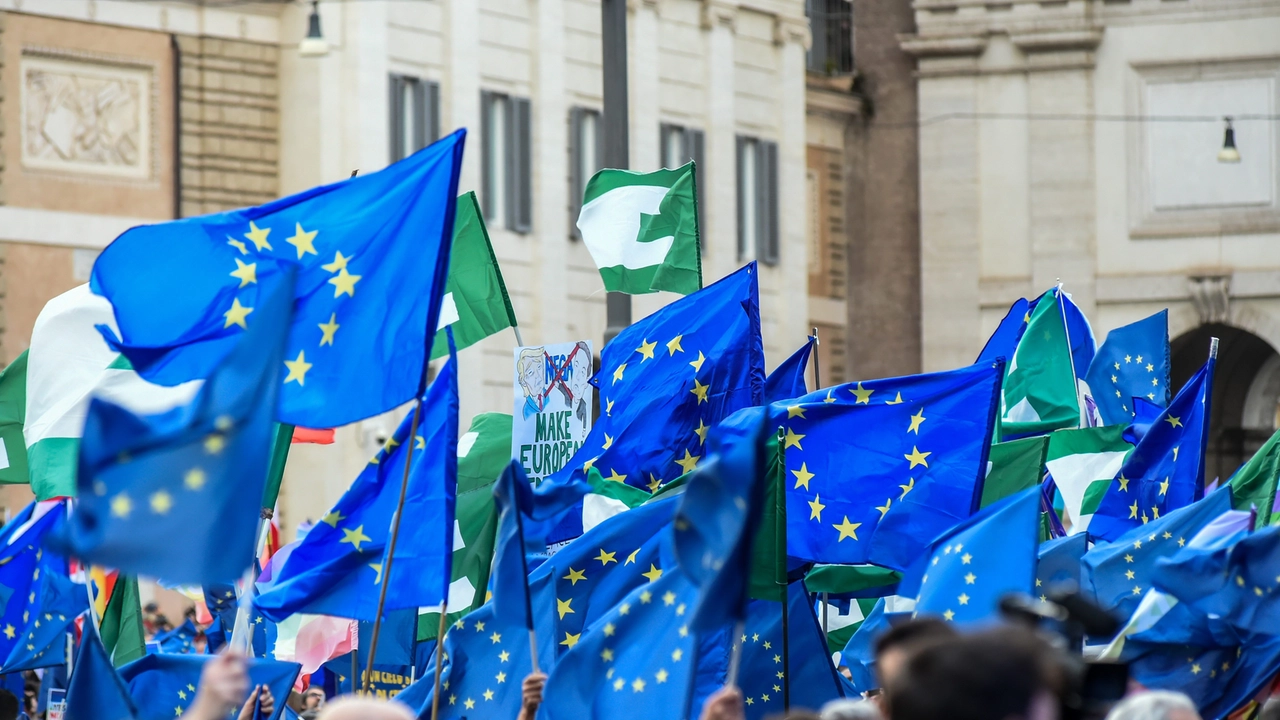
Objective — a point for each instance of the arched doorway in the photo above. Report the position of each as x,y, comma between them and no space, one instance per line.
1246,392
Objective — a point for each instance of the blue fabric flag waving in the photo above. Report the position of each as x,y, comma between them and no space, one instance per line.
372,254
1058,563
337,568
164,686
669,378
636,661
718,516
196,472
787,380
1117,574
1133,362
1237,578
1080,334
1004,341
40,600
971,567
1165,471
178,641
876,470
96,691
859,654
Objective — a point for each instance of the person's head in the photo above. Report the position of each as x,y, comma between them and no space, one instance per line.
1270,710
9,707
1155,705
354,708
1002,674
851,710
313,698
899,641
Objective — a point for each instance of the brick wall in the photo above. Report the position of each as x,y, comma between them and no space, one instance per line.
230,124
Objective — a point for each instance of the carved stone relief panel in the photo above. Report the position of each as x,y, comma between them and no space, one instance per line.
86,118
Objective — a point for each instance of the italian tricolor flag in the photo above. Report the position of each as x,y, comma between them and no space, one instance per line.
45,392
642,230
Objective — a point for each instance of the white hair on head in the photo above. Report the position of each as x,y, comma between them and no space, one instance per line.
1155,705
850,710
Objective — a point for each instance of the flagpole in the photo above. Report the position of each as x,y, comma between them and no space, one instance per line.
817,375
519,340
435,694
735,654
355,671
395,531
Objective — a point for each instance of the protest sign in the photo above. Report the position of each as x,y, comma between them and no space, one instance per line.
553,401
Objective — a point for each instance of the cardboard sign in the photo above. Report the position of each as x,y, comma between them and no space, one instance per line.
553,401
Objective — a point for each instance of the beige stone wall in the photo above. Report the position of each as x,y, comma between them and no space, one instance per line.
230,124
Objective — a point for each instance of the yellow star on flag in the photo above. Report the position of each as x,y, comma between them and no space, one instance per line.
121,506
1164,486
911,485
258,236
1133,510
574,576
697,364
355,537
605,557
303,240
1173,421
688,462
339,263
701,431
700,390
795,411
194,479
245,272
344,283
297,369
237,244
815,508
653,573
564,607
884,509
863,396
792,440
333,518
949,615
608,442
236,315
161,502
617,374
377,570
570,639
673,345
646,349
329,329
615,477
803,476
1124,483
847,529
916,420
917,458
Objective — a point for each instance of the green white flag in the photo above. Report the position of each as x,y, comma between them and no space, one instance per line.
484,451
1254,484
842,623
1040,393
1012,467
69,363
475,303
13,412
1083,464
121,626
642,230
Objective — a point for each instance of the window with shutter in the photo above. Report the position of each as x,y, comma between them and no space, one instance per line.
414,114
757,200
586,151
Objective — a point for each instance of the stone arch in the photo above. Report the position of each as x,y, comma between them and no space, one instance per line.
1246,388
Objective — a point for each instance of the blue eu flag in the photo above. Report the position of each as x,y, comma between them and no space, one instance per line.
718,516
95,691
667,379
877,469
638,660
337,568
178,641
1119,573
163,686
372,255
1080,336
971,567
196,472
1133,362
1236,578
859,653
1003,343
787,380
1058,562
1165,471
39,599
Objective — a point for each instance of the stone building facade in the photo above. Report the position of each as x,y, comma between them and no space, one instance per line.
1077,141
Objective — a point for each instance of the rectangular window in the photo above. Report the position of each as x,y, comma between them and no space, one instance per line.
586,156
831,25
415,115
757,200
679,145
505,161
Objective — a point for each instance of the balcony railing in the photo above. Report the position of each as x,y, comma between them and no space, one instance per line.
831,22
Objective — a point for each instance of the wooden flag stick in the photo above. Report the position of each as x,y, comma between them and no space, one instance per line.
391,543
735,654
435,694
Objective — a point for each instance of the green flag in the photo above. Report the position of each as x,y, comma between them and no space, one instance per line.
1039,393
1254,484
483,453
642,230
121,629
842,623
1012,467
13,412
281,441
475,303
769,553
1083,463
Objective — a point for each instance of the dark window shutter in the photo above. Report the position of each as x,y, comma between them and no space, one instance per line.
521,155
419,116
768,212
576,181
396,111
486,155
742,197
432,112
664,143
